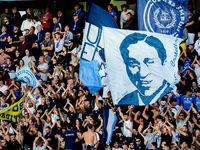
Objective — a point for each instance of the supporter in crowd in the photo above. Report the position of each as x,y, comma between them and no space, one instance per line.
61,113
110,8
45,18
26,25
16,17
124,15
3,15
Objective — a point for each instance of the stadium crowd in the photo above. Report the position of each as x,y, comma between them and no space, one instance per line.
61,113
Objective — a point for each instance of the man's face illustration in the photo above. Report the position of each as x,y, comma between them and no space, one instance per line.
142,65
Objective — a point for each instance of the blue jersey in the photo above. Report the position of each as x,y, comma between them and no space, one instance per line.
69,138
113,14
178,99
198,103
187,101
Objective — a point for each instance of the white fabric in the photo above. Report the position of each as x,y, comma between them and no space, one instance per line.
117,67
3,88
190,39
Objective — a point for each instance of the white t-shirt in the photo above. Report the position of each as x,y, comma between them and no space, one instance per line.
53,117
3,88
38,102
175,110
95,105
197,70
126,132
32,109
44,66
74,51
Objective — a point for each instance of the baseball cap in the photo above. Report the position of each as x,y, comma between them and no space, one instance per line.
48,33
14,8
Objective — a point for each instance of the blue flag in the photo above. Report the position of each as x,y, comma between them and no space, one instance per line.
93,45
109,121
166,17
90,75
25,75
142,66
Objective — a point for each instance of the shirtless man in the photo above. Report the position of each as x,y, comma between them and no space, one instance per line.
89,138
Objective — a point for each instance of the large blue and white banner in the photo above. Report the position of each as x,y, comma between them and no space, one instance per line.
162,16
93,44
25,75
142,66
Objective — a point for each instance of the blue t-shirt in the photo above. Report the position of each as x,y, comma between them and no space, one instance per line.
69,137
198,103
187,63
178,99
113,14
187,101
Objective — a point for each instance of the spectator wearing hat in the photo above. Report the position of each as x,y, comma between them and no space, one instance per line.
16,17
58,42
124,15
48,44
26,25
